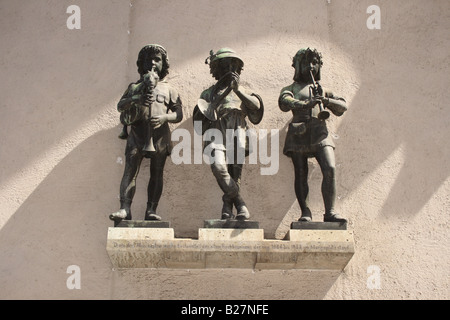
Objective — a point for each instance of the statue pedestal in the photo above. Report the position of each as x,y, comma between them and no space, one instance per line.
326,249
302,225
231,224
142,224
156,247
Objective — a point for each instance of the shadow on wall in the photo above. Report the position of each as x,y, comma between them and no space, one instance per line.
395,144
65,220
395,134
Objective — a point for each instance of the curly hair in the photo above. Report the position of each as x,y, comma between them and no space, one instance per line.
305,54
148,50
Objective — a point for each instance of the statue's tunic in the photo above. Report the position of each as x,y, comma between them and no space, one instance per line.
231,116
306,133
167,99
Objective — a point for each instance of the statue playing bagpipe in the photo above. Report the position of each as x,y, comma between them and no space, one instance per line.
147,107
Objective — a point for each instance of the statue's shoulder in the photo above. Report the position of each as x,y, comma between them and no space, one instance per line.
206,94
163,84
290,88
168,91
297,87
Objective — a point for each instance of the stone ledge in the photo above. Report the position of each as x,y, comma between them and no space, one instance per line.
230,234
140,234
157,248
335,236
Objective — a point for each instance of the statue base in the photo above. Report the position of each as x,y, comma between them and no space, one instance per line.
231,224
303,225
218,248
142,224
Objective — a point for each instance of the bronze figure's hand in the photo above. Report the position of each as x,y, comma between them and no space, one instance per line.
158,121
147,99
313,102
234,81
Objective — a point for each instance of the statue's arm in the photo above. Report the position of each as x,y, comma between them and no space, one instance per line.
287,102
337,105
250,102
128,99
176,107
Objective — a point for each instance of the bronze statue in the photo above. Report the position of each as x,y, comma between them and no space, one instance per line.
307,134
224,107
147,107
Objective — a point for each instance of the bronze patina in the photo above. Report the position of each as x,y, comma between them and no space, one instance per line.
307,135
147,107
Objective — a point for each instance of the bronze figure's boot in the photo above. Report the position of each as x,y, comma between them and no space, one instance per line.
242,211
227,208
306,215
333,217
124,212
150,213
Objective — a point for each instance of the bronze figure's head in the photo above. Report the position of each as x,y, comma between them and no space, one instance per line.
224,61
304,61
153,56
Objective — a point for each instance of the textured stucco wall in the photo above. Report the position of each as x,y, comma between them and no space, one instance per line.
61,159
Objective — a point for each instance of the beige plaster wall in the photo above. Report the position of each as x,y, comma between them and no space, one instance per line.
61,161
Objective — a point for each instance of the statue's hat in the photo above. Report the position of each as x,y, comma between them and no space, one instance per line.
221,54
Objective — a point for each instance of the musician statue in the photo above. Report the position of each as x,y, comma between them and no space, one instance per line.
147,107
307,134
223,108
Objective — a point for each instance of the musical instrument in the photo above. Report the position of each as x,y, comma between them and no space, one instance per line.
150,81
323,114
208,109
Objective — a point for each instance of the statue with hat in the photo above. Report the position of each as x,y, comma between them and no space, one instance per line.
307,135
146,108
223,108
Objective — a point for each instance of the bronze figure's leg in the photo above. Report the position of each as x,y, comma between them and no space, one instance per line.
133,161
301,184
226,183
229,187
235,171
155,185
325,158
227,207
